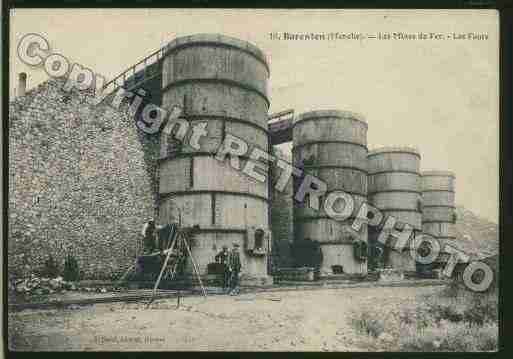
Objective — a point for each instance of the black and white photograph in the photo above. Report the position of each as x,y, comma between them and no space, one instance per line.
252,180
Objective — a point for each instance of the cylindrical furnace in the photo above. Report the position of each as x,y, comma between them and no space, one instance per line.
438,217
332,146
394,189
220,81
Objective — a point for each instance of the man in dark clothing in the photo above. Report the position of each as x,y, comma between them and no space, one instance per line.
165,235
222,257
149,235
234,267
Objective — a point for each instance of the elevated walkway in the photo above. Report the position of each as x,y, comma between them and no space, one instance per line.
146,74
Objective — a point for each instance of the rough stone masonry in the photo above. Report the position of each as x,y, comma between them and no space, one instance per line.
81,179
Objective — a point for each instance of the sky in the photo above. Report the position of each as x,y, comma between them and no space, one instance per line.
440,96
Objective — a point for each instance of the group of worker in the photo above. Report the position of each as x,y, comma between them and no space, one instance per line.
231,268
229,259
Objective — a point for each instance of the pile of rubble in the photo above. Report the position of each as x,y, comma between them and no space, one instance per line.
390,274
40,286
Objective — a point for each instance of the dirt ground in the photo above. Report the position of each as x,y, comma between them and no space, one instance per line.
317,320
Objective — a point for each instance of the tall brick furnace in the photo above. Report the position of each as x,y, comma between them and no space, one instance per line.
394,189
438,216
332,146
221,81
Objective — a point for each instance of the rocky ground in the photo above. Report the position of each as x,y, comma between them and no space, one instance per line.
319,320
476,236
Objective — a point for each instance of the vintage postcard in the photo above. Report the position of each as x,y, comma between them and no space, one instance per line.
253,180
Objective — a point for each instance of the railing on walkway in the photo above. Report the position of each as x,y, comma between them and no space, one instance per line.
137,73
148,67
281,126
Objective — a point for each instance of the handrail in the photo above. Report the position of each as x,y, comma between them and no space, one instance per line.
158,54
280,114
122,75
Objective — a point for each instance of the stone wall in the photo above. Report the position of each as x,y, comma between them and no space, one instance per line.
80,180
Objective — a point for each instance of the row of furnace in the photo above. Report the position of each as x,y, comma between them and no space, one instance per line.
332,145
223,81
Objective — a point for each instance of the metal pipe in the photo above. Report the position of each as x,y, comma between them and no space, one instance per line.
22,84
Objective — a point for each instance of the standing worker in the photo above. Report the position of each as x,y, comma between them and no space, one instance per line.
234,267
222,258
149,236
